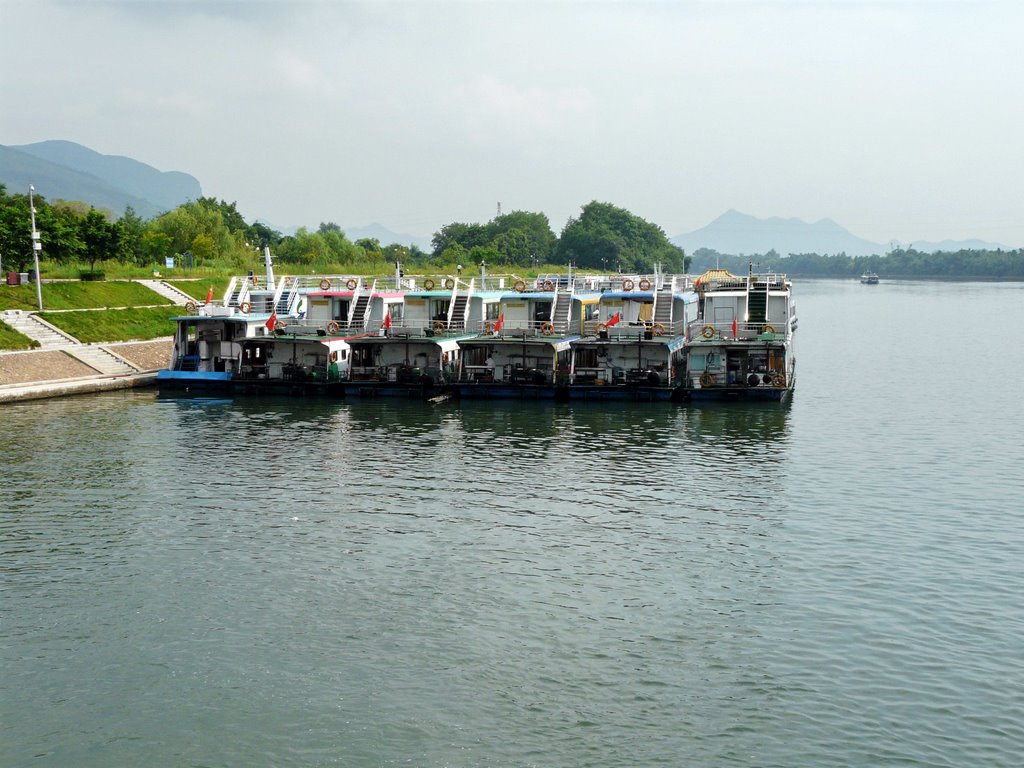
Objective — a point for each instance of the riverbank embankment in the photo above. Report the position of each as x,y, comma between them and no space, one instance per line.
70,370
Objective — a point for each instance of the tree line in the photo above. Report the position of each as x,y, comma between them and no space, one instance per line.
900,262
214,233
603,238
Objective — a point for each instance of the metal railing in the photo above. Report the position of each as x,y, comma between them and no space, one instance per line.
700,329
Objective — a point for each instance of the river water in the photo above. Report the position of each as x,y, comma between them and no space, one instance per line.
836,581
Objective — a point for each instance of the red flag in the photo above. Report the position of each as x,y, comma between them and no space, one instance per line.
613,320
501,322
272,321
209,295
387,322
735,333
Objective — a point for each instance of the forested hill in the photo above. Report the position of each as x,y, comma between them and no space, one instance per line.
68,171
905,263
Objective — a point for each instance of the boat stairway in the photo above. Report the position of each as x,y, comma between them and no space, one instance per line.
560,316
663,307
457,319
757,305
359,312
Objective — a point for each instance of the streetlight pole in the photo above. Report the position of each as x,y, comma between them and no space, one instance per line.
36,245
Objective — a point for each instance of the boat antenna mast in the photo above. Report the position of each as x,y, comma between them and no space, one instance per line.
270,267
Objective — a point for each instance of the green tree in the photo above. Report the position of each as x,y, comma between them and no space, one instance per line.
606,237
131,228
99,238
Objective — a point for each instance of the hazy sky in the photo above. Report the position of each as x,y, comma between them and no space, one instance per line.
900,120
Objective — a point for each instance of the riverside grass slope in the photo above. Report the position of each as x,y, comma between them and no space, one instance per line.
116,310
72,294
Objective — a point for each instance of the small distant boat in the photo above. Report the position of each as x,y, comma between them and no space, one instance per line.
869,278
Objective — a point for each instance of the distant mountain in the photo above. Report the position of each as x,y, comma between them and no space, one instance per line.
63,169
386,236
739,233
736,233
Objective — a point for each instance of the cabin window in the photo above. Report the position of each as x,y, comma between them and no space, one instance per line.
491,311
542,311
586,358
591,311
475,356
440,309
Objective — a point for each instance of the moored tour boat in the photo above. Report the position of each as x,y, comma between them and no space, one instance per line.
742,343
632,346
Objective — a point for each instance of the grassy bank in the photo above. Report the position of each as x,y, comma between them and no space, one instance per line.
79,295
116,324
197,288
11,339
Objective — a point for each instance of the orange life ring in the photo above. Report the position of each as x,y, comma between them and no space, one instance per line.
707,379
658,329
439,326
428,284
627,284
602,327
351,283
768,328
333,327
245,307
449,283
549,285
519,286
707,331
191,307
255,281
645,284
547,328
488,327
778,380
325,284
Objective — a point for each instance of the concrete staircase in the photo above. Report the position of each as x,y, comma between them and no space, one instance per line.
28,324
168,291
103,360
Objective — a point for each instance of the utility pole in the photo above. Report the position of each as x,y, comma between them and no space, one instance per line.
36,245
